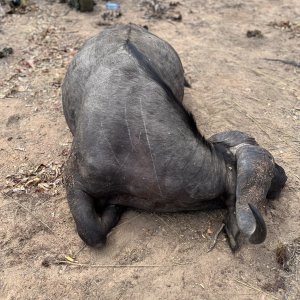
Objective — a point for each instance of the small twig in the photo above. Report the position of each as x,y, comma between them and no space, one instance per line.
118,266
297,176
166,223
30,212
214,241
251,118
170,22
297,269
255,288
253,98
287,62
20,149
67,12
76,254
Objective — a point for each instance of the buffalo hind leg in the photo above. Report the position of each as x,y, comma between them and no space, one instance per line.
92,226
110,216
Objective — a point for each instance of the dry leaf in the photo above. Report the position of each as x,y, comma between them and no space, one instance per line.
209,231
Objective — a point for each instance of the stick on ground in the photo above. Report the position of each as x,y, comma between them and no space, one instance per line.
214,241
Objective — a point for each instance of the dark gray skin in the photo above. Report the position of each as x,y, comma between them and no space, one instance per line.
135,145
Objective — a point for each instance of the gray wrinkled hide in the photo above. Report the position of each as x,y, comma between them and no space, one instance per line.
131,145
104,64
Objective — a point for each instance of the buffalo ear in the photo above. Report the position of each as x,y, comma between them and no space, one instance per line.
255,169
278,181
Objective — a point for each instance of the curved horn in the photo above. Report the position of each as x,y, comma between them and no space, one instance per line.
255,168
260,233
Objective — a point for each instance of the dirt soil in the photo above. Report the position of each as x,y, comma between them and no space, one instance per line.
155,256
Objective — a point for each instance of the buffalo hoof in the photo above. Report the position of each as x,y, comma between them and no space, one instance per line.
232,231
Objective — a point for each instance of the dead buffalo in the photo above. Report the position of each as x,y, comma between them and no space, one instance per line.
135,145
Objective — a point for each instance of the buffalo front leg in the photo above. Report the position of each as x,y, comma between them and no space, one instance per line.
92,226
231,227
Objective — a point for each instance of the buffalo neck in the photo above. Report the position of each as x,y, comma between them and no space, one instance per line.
207,172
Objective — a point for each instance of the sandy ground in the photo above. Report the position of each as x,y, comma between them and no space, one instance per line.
158,256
